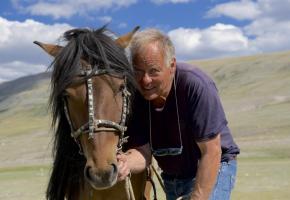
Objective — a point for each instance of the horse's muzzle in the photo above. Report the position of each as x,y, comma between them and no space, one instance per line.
101,179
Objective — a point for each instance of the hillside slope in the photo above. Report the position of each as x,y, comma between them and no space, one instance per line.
24,121
256,95
255,91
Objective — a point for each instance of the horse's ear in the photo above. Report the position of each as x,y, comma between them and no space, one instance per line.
51,49
124,40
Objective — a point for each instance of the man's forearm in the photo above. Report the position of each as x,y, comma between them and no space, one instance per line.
206,177
207,170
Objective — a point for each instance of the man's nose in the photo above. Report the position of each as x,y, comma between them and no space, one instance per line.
146,79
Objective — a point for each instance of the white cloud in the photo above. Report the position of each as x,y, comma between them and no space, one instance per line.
169,1
105,19
269,35
16,69
251,10
215,41
51,9
268,28
19,56
240,10
278,10
68,8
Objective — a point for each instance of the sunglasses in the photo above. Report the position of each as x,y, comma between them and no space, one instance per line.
167,151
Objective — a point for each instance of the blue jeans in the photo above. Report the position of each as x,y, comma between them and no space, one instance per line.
175,188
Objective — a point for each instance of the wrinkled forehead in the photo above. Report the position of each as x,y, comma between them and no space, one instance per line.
151,55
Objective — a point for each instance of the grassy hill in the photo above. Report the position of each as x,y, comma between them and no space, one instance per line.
23,104
24,137
255,91
256,94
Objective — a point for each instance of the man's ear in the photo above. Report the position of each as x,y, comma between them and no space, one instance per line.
173,65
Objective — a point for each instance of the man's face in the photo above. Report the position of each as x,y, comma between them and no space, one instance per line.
152,74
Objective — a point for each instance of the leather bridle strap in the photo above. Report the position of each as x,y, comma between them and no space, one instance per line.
97,125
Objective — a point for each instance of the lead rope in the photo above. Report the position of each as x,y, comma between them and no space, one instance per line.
129,189
149,178
158,178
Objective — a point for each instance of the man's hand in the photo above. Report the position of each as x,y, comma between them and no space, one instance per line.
123,169
133,161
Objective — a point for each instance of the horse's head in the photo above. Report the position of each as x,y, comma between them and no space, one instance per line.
91,80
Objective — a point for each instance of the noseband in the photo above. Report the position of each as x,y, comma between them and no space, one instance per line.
97,125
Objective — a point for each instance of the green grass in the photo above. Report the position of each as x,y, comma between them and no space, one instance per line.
25,183
258,179
263,179
22,122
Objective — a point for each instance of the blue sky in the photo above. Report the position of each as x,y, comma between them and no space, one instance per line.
200,29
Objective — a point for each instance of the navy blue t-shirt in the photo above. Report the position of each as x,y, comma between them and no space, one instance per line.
200,117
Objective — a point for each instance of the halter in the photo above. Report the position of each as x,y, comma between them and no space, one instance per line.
97,125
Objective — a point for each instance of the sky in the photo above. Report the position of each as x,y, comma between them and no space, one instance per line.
199,29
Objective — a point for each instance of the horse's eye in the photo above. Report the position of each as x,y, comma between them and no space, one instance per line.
121,88
65,94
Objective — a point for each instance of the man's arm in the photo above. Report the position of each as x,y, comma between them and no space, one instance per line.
207,168
133,161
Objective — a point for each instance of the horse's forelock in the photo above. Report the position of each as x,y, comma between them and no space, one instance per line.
97,48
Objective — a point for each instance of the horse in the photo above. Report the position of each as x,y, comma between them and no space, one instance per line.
91,86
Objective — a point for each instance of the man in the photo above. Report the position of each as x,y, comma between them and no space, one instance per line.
181,121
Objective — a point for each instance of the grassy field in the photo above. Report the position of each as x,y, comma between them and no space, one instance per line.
25,183
265,179
258,179
255,91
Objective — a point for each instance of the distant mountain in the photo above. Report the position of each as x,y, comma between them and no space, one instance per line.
24,93
24,121
19,85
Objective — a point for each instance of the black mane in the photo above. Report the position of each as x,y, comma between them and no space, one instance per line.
100,51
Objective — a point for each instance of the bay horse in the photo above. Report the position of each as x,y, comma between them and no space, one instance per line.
91,84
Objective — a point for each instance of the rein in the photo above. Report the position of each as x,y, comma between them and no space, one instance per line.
97,125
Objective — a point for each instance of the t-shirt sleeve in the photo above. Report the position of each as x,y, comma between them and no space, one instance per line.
207,117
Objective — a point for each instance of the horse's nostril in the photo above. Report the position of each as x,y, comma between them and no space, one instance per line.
114,169
87,173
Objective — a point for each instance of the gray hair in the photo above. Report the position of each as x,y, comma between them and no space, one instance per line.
151,35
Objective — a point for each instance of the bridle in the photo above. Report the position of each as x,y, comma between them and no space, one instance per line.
97,125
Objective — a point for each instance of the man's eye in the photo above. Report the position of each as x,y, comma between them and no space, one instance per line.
138,73
153,72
